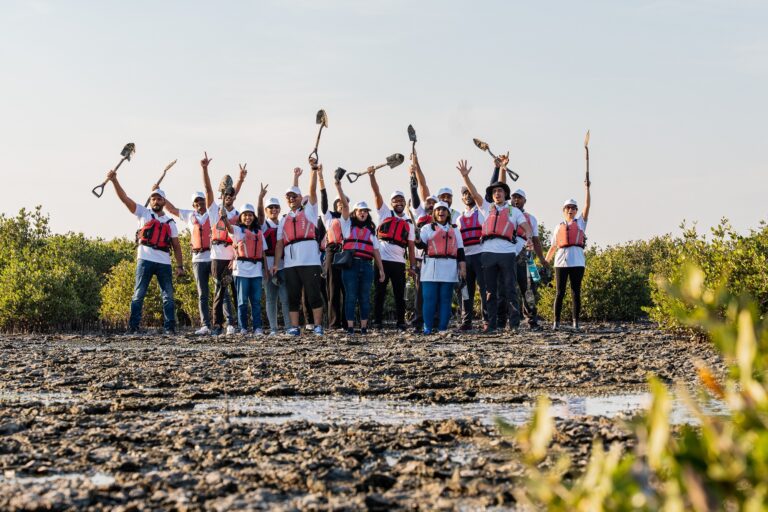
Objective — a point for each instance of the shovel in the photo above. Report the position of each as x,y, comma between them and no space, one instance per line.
586,148
392,161
339,173
126,153
322,119
484,147
412,138
157,185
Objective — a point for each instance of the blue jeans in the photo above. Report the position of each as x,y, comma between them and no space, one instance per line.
202,272
248,289
437,296
272,293
144,272
357,282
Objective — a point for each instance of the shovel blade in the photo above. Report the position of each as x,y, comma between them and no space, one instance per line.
395,160
322,118
480,144
339,173
411,133
586,139
225,183
128,150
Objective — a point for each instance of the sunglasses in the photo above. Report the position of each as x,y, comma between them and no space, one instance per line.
291,196
571,207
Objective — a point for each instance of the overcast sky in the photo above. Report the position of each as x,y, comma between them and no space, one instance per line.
674,92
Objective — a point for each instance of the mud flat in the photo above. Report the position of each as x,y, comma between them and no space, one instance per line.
387,421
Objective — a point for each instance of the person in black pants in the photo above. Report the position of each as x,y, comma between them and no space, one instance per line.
567,250
331,244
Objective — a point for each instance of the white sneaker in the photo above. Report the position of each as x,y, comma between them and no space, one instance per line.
258,332
273,333
230,330
203,331
309,327
243,332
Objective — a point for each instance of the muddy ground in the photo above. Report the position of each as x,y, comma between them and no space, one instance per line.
126,423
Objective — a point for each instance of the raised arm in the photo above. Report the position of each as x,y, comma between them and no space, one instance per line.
240,178
296,173
313,184
423,188
323,192
587,202
464,170
375,188
260,216
343,199
127,201
501,162
209,198
415,201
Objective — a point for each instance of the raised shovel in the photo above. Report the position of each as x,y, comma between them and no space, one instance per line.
126,153
321,119
412,138
586,148
157,184
392,161
484,147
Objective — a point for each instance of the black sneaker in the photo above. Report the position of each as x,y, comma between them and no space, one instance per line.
363,331
350,330
402,327
132,331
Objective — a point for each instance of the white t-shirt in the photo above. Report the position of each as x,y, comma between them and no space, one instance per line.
221,251
145,252
417,214
570,256
499,245
187,216
440,270
306,252
346,229
390,251
520,245
271,259
477,248
246,268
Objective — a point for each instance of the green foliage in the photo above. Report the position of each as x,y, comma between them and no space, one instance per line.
721,464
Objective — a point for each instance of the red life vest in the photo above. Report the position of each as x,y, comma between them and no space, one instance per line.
333,234
395,230
360,241
498,225
201,235
520,231
423,220
443,244
219,233
471,229
297,228
156,234
270,235
569,235
250,248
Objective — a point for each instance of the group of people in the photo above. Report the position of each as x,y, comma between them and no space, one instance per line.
329,262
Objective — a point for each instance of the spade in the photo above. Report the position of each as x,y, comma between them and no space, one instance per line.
586,149
157,185
392,161
128,150
321,119
484,147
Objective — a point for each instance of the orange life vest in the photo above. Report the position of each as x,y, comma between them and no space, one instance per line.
520,231
395,230
250,248
443,244
297,228
219,233
333,234
156,234
498,225
270,235
360,240
201,235
471,229
569,234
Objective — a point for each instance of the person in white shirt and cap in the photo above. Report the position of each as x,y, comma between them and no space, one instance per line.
396,234
471,226
156,236
567,251
274,283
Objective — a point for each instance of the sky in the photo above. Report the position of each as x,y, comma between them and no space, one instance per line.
674,93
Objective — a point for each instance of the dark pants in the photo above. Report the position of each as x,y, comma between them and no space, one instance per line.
524,282
563,274
357,288
418,317
499,269
437,299
144,272
221,294
202,272
475,277
396,273
304,278
334,285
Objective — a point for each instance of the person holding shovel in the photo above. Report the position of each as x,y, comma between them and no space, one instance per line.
296,242
471,227
157,235
396,234
567,251
222,252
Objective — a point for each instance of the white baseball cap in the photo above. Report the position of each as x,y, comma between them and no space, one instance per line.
197,195
442,204
247,207
569,202
444,190
464,189
431,198
395,194
361,205
519,192
158,192
293,190
272,202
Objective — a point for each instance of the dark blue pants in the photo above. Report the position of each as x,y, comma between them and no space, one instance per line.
144,272
437,296
248,290
202,271
357,288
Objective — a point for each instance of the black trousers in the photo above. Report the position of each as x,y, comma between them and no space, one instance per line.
334,290
524,282
220,270
394,272
418,316
500,271
575,275
475,278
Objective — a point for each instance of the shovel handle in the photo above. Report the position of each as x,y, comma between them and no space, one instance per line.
317,144
513,174
157,184
98,190
352,176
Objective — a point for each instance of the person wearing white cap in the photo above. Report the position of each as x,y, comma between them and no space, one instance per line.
330,245
396,234
471,226
567,251
499,244
250,257
359,239
200,241
274,284
442,268
296,242
421,214
445,195
156,236
222,251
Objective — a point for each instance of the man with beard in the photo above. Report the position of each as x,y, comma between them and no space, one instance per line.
471,227
222,251
157,234
396,233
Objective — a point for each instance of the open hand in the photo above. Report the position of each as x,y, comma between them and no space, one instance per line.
463,169
297,171
205,161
